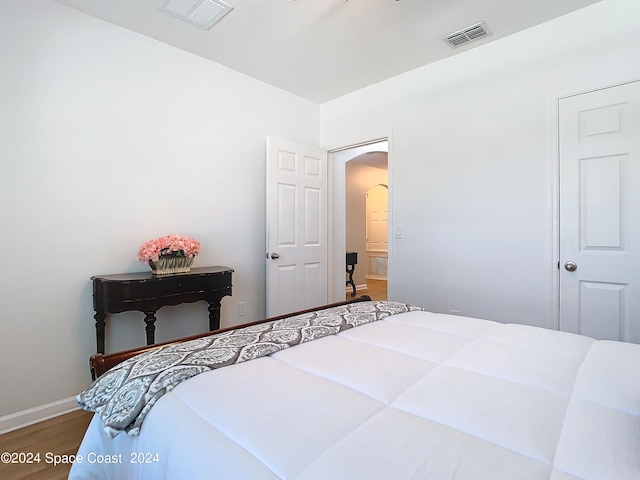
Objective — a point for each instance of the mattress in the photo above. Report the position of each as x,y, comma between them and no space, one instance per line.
416,395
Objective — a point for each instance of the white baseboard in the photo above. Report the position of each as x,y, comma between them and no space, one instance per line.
37,414
376,277
358,288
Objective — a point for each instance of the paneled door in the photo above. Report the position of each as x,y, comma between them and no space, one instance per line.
600,213
377,213
297,275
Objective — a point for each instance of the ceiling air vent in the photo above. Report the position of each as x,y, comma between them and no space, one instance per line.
201,13
466,35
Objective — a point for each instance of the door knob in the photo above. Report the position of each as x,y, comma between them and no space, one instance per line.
274,255
570,266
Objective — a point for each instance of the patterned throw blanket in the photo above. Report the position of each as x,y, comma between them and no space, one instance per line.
124,395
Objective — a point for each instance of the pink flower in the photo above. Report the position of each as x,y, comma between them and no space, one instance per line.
169,245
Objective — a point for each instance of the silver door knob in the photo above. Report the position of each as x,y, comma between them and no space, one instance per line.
274,255
570,266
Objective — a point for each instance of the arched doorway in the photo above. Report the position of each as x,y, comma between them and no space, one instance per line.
366,215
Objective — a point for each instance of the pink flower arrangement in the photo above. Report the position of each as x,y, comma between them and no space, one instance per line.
168,246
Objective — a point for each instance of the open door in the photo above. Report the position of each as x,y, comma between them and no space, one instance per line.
296,203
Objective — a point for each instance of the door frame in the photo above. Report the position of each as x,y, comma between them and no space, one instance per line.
555,183
337,158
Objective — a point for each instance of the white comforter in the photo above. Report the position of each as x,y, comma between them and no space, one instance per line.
417,395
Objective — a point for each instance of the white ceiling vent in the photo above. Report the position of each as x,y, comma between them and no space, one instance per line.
466,35
202,13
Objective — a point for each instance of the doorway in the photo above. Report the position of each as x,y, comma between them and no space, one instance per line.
355,171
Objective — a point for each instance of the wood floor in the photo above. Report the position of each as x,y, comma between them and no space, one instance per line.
39,444
376,289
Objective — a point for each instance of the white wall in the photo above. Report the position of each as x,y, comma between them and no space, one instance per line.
473,176
108,139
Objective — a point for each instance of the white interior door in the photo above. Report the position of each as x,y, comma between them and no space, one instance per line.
600,213
296,226
377,221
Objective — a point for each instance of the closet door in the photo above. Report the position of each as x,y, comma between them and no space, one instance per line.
600,213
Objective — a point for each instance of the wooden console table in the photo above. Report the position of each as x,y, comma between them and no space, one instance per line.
147,293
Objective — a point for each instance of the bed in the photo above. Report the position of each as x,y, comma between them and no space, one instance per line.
380,390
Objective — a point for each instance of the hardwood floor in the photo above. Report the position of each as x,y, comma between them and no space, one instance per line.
376,289
40,443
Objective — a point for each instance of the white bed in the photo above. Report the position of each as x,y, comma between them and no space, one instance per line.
416,395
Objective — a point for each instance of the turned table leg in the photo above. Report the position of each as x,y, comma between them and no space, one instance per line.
150,320
100,316
350,270
214,316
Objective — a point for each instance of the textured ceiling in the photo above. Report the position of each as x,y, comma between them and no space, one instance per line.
323,49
